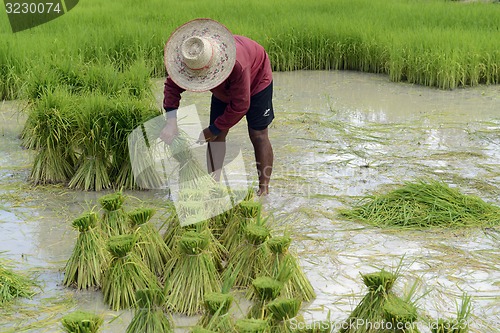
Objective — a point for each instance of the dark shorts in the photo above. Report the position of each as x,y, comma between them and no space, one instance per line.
259,115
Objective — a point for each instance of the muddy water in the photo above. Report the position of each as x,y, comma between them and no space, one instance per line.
336,136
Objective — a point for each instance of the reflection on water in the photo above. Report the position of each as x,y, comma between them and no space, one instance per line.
337,135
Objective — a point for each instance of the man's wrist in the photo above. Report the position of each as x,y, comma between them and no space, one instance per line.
171,113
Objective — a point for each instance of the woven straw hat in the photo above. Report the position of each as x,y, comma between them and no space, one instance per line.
200,55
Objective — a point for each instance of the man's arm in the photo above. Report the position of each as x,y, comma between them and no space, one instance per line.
171,97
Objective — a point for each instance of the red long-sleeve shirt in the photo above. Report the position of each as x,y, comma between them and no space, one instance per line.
250,75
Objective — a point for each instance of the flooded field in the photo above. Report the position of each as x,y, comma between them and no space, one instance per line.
336,136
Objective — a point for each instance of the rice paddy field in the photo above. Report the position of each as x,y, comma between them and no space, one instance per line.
372,100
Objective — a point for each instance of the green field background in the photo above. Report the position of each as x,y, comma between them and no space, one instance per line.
430,42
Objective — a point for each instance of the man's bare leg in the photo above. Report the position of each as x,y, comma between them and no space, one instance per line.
263,158
216,152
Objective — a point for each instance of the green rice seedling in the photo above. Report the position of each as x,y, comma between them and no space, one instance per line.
81,322
234,233
198,329
114,217
193,273
460,324
150,245
425,204
401,315
251,325
266,289
298,285
150,316
371,307
216,312
49,130
91,137
252,256
89,259
281,311
14,285
126,274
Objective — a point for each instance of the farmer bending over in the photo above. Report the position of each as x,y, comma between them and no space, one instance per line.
203,55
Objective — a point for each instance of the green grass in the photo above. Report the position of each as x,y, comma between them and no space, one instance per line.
436,43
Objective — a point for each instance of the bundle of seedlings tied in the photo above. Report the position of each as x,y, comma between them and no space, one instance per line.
400,315
425,204
251,258
13,285
370,310
81,322
114,219
252,325
175,231
126,274
246,212
216,315
150,245
298,285
266,289
193,273
89,259
460,324
281,311
150,316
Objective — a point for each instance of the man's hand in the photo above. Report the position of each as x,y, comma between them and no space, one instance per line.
206,136
170,131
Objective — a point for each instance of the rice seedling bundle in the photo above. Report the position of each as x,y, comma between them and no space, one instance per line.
460,324
114,218
89,259
298,284
13,285
216,313
81,322
251,325
150,245
126,274
252,256
193,273
281,311
150,316
400,315
425,204
266,289
245,212
48,130
370,311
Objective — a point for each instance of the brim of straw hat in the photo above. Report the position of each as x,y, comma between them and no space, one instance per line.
221,65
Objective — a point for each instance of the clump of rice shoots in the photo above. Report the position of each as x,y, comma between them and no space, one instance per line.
14,285
371,307
252,256
193,274
424,204
89,259
252,325
150,245
298,285
81,322
400,314
456,325
266,290
91,136
126,274
114,218
244,212
281,311
49,130
149,316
